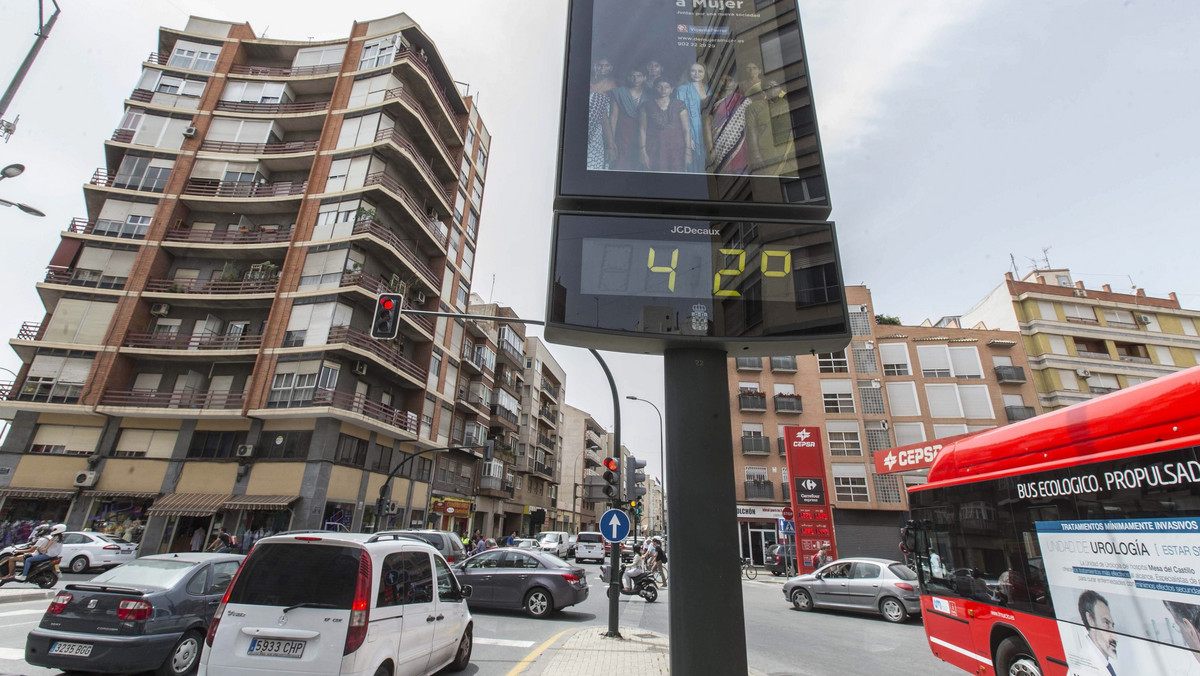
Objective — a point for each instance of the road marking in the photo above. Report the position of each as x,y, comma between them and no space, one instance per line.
15,654
27,611
503,642
534,655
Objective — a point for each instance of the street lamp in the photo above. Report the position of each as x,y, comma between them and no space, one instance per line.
383,489
13,171
662,462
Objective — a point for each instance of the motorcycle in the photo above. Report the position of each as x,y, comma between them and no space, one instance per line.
44,573
643,584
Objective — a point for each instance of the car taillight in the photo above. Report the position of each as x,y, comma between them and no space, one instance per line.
59,603
216,619
570,577
450,559
112,547
133,610
360,612
904,585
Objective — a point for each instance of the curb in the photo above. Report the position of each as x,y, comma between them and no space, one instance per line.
29,595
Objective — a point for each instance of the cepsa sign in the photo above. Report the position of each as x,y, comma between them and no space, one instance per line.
911,457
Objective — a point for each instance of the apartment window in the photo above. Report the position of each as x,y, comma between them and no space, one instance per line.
943,430
943,401
783,363
1069,382
464,295
909,433
780,48
65,440
756,473
871,395
935,361
464,171
481,161
472,224
903,398
1103,382
350,450
976,402
1189,326
468,263
285,444
1058,344
860,323
211,444
136,173
1046,310
477,192
1013,400
878,436
470,142
838,396
833,362
379,52
192,56
965,362
887,488
1079,313
1122,318
850,483
844,438
864,358
460,204
1164,355
895,359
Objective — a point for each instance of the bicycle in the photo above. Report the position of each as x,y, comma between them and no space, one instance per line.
748,569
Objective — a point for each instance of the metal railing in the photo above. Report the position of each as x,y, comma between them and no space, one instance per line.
423,66
545,441
243,189
1016,413
142,96
146,399
271,71
551,390
1093,355
1082,320
69,277
358,339
280,148
1136,359
394,136
513,353
788,404
749,364
255,108
498,411
123,135
752,402
357,403
760,490
202,341
756,444
228,236
1010,374
106,228
102,178
417,210
384,233
403,94
784,364
30,331
377,286
211,286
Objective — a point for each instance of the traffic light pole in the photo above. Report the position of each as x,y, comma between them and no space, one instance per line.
708,628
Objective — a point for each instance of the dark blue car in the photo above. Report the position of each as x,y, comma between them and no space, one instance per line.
150,614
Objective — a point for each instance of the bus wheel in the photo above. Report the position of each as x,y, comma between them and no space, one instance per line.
1014,658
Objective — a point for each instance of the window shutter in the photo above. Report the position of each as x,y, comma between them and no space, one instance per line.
1163,352
134,441
1068,379
1046,310
94,325
45,366
52,435
842,426
120,264
319,323
64,323
84,439
893,353
147,382
909,433
933,357
93,258
1058,345
903,398
837,387
948,430
965,361
76,370
1013,400
976,402
943,401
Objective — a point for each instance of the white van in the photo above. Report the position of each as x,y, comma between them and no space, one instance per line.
349,604
589,546
554,542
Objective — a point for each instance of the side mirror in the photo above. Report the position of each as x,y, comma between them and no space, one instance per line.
465,591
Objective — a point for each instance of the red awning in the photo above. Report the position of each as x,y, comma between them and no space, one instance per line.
64,256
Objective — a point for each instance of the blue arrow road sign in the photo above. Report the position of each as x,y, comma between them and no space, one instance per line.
614,525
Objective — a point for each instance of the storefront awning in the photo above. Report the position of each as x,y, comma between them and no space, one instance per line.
189,504
39,493
135,495
263,502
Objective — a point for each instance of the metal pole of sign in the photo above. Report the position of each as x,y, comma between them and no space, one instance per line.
614,558
708,633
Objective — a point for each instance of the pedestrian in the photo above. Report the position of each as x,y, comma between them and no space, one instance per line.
512,539
660,561
222,542
197,539
823,557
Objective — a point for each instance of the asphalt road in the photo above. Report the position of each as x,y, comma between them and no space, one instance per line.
779,640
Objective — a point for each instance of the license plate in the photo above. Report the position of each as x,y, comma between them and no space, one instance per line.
76,649
269,647
125,553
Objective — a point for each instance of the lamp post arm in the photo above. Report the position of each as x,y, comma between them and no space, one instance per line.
383,488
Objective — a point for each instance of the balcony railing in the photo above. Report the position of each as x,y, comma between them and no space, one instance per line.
358,339
592,456
1093,355
77,278
381,231
513,353
102,178
403,94
298,71
782,446
1116,323
1082,320
1100,389
1135,359
422,65
8,391
357,403
504,414
544,469
1010,374
146,399
756,445
549,413
262,235
418,210
211,286
203,341
107,228
272,108
374,285
242,189
592,440
123,135
30,331
398,138
760,490
752,402
142,95
788,404
550,389
544,440
749,364
280,148
1016,413
783,364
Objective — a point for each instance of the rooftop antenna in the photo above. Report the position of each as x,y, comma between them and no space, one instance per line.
492,291
42,33
1045,257
1013,260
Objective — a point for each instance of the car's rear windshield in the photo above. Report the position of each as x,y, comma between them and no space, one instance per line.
589,537
145,573
431,538
114,539
902,571
285,574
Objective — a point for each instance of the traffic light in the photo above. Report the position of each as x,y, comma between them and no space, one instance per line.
386,323
612,477
635,506
634,477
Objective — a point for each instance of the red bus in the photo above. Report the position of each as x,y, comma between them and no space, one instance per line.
1068,544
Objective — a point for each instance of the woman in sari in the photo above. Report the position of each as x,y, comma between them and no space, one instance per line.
728,125
599,138
694,92
625,151
666,144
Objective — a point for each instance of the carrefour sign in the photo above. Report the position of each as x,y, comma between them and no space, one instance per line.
911,457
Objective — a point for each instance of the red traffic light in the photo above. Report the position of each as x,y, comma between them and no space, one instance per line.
610,464
387,303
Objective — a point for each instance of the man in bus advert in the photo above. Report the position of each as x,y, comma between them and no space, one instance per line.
1100,648
1187,618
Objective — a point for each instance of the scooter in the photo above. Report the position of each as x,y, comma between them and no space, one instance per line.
44,573
643,584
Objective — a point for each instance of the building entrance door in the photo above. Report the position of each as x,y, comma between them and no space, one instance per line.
755,538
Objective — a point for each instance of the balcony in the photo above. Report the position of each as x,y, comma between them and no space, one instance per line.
123,135
1083,320
786,404
102,179
86,278
749,364
401,142
376,286
545,441
515,355
592,457
200,342
1092,354
1118,324
107,228
30,331
783,364
264,235
592,440
356,403
545,469
405,251
417,211
1099,390
1010,375
142,95
212,286
755,445
413,106
1017,413
203,187
379,349
253,108
299,71
415,58
549,414
752,402
760,490
551,390
494,486
502,413
189,400
1133,358
281,148
782,445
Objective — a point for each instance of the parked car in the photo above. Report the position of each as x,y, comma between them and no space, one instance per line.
84,549
448,544
627,550
589,546
149,614
304,603
534,581
553,542
872,585
781,559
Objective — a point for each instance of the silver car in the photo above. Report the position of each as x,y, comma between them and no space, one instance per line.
872,585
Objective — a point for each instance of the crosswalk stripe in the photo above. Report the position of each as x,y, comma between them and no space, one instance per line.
503,642
14,654
26,611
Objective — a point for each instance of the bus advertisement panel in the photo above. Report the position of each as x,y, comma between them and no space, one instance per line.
1126,593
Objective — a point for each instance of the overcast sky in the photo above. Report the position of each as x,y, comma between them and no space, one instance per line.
956,134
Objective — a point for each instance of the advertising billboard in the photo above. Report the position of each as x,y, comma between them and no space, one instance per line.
810,497
695,101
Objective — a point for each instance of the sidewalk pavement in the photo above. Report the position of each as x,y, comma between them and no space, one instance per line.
18,593
588,652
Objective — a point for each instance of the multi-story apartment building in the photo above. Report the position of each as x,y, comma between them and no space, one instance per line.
1082,342
539,445
584,447
654,512
895,385
205,356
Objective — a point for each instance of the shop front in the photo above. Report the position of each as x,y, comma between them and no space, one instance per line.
121,514
261,516
339,516
758,529
452,514
190,518
23,508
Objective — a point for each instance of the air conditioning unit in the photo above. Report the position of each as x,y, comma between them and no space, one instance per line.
393,507
1083,373
86,479
875,384
360,368
883,424
160,309
245,451
190,131
1144,319
419,298
862,308
1081,293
